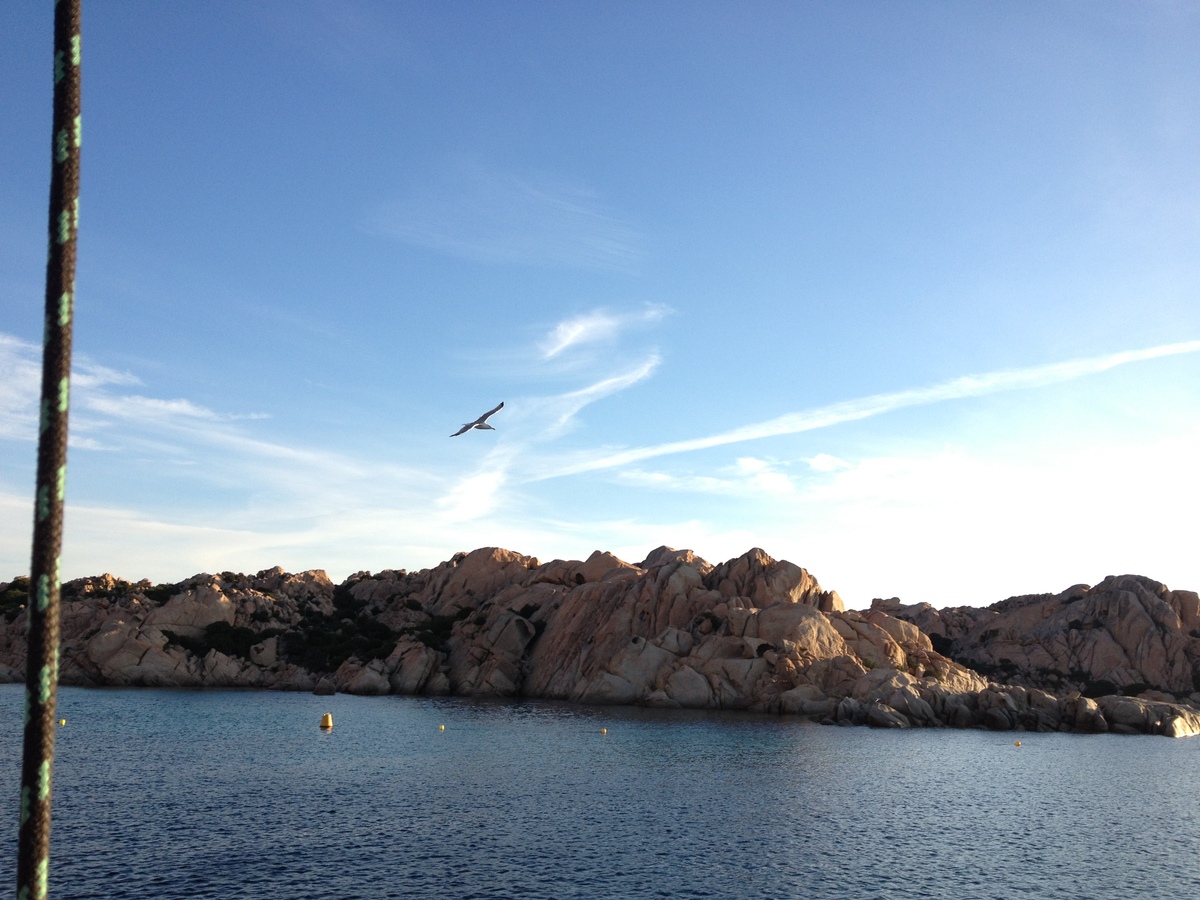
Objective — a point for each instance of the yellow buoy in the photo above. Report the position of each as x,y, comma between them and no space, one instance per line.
62,722
604,731
441,728
327,720
1016,743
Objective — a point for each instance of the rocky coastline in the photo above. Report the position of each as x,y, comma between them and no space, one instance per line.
671,631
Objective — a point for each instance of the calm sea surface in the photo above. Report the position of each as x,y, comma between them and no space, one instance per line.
223,794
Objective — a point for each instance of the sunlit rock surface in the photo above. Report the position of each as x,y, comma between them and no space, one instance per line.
1128,634
672,631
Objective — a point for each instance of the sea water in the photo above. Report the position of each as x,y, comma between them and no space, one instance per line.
237,794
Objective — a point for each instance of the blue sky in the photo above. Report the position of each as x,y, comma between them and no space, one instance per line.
905,293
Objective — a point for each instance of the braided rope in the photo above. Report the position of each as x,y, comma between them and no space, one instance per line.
41,673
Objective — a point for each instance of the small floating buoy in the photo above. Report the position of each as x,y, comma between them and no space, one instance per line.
604,731
62,722
1016,743
327,721
441,728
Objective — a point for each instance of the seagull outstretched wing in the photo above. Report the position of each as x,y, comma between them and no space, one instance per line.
488,414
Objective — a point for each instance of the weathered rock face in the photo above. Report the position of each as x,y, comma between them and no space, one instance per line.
672,631
116,633
1127,633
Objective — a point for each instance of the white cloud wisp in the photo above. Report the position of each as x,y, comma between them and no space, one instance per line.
877,404
592,327
538,420
492,216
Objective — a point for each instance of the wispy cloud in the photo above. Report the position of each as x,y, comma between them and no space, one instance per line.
86,374
135,406
823,462
945,526
21,383
584,344
869,527
558,411
536,422
748,475
78,442
593,327
473,497
493,216
877,404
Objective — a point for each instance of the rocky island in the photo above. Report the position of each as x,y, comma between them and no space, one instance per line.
671,631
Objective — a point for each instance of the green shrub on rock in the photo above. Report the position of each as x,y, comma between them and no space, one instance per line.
14,597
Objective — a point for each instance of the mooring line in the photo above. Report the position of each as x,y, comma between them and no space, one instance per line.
42,608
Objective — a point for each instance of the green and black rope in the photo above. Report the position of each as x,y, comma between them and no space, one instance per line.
41,673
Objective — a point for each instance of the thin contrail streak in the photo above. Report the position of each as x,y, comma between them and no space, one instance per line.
876,404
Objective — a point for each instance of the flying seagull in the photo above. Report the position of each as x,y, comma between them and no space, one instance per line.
481,422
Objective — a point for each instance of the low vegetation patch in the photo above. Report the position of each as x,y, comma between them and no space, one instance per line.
436,632
14,597
74,590
1132,690
322,643
1101,687
1003,670
160,593
222,637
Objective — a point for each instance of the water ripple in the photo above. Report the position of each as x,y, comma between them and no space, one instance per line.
221,794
